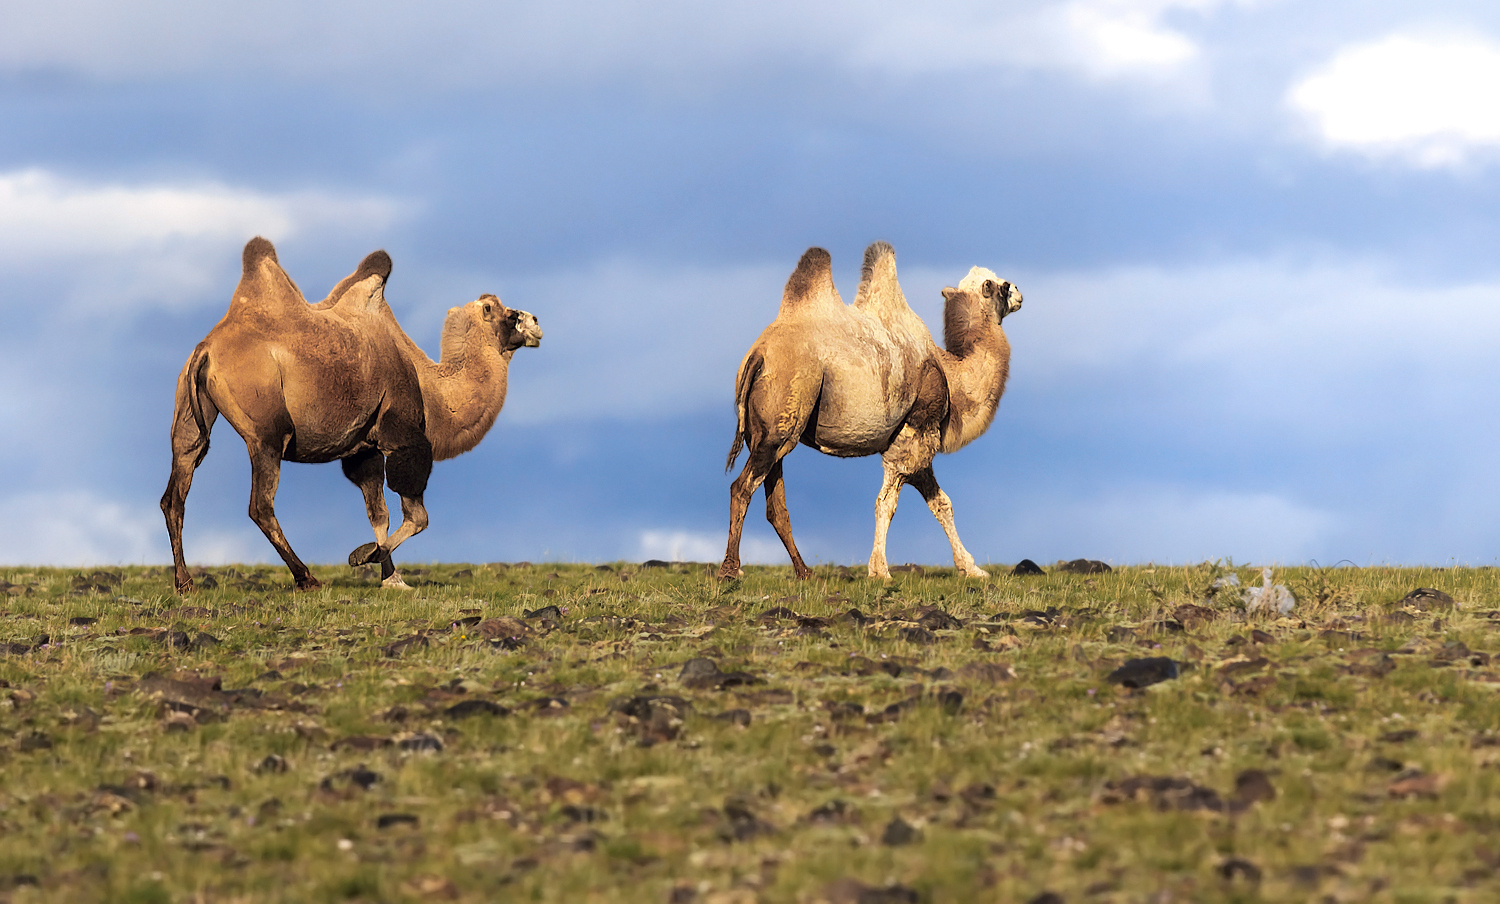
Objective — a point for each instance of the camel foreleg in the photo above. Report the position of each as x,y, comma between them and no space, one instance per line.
909,453
265,476
366,470
885,509
942,508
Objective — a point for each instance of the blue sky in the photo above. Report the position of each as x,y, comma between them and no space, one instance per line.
1256,241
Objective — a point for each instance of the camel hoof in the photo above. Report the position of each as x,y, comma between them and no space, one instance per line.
975,572
186,587
730,574
394,582
364,555
310,583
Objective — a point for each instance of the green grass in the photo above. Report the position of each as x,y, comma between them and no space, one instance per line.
127,777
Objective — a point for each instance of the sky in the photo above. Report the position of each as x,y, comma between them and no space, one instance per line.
1257,242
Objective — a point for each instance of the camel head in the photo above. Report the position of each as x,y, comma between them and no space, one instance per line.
511,328
1000,295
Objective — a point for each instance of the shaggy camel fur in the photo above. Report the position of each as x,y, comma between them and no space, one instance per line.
338,380
866,379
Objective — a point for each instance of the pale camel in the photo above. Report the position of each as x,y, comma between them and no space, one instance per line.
338,380
865,379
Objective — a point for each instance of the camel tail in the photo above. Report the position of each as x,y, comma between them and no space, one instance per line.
193,377
749,372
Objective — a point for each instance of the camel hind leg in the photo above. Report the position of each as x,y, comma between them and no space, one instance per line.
781,519
265,476
769,444
190,433
942,508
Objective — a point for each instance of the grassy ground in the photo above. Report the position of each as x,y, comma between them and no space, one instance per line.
948,740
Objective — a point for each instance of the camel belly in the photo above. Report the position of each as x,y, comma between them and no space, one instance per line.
857,417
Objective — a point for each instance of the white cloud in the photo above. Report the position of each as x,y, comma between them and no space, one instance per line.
1172,525
639,340
78,528
479,44
157,244
1233,335
696,546
1430,100
82,528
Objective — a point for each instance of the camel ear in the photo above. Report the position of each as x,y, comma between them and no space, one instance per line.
989,288
491,309
949,292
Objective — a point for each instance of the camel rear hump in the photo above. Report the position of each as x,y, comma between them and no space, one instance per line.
811,282
879,289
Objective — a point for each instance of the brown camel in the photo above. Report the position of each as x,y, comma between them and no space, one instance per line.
338,380
865,379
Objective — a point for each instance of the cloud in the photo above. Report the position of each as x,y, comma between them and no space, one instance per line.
1432,101
626,339
1222,339
76,527
156,244
475,44
697,546
1174,524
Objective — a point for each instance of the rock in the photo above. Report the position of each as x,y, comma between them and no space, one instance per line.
1239,868
1165,793
740,717
898,832
386,820
853,891
917,635
406,644
699,672
1137,673
504,628
1252,786
1084,566
742,824
420,742
466,708
1428,599
1192,615
1026,568
934,619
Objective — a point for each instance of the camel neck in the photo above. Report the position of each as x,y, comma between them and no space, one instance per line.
463,394
976,380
